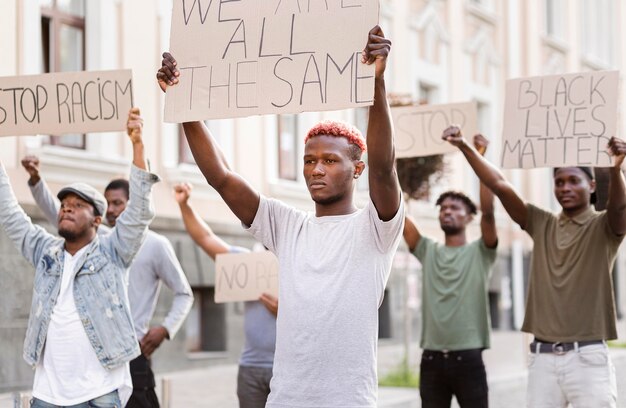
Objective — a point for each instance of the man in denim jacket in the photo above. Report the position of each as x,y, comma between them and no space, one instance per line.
80,335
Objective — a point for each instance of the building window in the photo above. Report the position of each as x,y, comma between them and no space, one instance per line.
63,47
598,28
554,13
222,133
426,94
206,324
287,147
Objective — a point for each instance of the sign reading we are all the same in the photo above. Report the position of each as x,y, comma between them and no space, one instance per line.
250,57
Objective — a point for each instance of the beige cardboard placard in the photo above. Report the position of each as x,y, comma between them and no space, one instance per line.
559,120
418,128
65,102
241,277
251,57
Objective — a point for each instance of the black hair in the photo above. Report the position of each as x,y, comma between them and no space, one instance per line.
593,198
119,184
457,195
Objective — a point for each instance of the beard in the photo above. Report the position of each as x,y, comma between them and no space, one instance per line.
68,235
451,229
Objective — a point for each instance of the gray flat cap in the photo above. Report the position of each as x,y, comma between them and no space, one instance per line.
87,193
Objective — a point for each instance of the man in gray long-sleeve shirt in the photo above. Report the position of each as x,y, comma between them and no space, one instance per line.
155,263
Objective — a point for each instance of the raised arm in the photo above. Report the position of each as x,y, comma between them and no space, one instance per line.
383,180
487,219
491,176
411,234
132,225
45,200
199,230
29,239
242,199
616,203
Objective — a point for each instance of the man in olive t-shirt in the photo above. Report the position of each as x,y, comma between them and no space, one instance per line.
455,306
570,307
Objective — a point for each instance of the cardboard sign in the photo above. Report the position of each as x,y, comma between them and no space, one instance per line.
241,277
251,57
419,128
65,102
560,120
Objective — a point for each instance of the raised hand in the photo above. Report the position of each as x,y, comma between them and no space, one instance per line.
377,50
182,192
134,126
168,74
31,164
617,148
453,135
480,143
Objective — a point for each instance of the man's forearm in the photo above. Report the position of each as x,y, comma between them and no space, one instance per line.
206,153
381,152
486,172
139,157
617,190
132,225
46,201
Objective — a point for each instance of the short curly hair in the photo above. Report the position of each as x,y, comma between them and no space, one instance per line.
339,129
457,195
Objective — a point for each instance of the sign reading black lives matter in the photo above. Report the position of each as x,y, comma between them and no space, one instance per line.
65,102
419,128
560,120
250,57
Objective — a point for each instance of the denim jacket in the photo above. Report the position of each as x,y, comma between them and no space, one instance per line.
101,274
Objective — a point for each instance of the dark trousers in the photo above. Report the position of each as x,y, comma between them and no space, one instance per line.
253,386
143,384
459,373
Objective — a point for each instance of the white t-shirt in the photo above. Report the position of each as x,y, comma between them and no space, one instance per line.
69,371
333,272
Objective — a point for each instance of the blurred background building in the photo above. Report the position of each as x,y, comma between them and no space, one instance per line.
443,51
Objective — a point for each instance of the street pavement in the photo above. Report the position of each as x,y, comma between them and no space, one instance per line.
506,370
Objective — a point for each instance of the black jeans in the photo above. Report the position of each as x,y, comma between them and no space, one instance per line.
143,384
459,373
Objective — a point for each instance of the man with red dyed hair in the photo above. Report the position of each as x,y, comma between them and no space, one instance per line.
334,263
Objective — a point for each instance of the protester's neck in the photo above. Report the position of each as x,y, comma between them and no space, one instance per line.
456,240
573,212
339,208
77,244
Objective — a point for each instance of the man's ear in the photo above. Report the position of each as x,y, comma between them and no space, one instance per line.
592,186
359,167
97,221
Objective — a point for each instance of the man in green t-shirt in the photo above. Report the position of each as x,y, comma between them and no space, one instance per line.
570,307
455,305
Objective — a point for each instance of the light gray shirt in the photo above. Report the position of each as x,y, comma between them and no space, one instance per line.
333,272
155,262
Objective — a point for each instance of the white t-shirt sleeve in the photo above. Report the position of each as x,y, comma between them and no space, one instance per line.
273,221
386,233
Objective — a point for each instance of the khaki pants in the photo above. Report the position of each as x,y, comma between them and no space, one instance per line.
584,378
